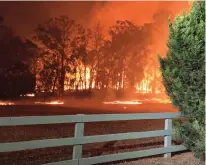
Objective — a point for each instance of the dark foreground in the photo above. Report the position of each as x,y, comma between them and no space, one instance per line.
41,156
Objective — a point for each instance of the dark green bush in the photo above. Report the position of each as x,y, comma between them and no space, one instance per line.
183,71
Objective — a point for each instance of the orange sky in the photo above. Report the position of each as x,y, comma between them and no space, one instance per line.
140,13
25,16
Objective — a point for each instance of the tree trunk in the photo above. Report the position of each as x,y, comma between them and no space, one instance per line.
85,77
62,78
123,77
75,81
91,79
62,84
54,84
154,83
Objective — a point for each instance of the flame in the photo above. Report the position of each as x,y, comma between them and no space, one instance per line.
6,103
152,81
144,86
136,102
28,95
82,77
51,102
123,102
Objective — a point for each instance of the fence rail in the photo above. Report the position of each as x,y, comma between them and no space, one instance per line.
79,139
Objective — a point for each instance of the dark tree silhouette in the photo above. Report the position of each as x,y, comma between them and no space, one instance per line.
58,37
14,65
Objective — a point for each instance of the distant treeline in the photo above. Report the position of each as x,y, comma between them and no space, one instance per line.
63,53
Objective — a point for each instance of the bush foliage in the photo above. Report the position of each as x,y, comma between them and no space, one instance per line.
183,71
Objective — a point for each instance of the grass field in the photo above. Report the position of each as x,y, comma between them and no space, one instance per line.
40,156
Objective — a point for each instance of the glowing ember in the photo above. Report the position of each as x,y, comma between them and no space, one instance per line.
6,103
159,100
134,102
28,95
82,77
123,102
51,102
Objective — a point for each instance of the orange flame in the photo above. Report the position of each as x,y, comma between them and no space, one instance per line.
6,103
51,102
82,79
123,102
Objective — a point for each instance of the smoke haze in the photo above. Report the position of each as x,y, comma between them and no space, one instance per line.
25,16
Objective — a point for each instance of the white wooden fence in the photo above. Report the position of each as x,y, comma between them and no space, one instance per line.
79,140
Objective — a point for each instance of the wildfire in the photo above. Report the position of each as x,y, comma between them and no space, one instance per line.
144,86
152,81
82,77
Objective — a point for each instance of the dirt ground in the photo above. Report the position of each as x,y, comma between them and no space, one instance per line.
47,155
180,159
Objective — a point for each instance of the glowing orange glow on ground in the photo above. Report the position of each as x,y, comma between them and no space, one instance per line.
30,95
123,102
6,103
136,102
51,102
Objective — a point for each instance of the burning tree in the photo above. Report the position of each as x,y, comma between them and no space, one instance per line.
59,37
183,72
75,58
123,56
95,54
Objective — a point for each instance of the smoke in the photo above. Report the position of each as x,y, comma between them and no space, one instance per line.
140,13
154,15
24,17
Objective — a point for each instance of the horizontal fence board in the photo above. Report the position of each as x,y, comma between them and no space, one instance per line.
18,146
134,116
123,136
33,120
130,155
65,162
35,144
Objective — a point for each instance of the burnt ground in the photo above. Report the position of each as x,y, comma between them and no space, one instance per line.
46,155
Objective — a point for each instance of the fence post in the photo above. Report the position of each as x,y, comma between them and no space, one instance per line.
168,138
79,132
